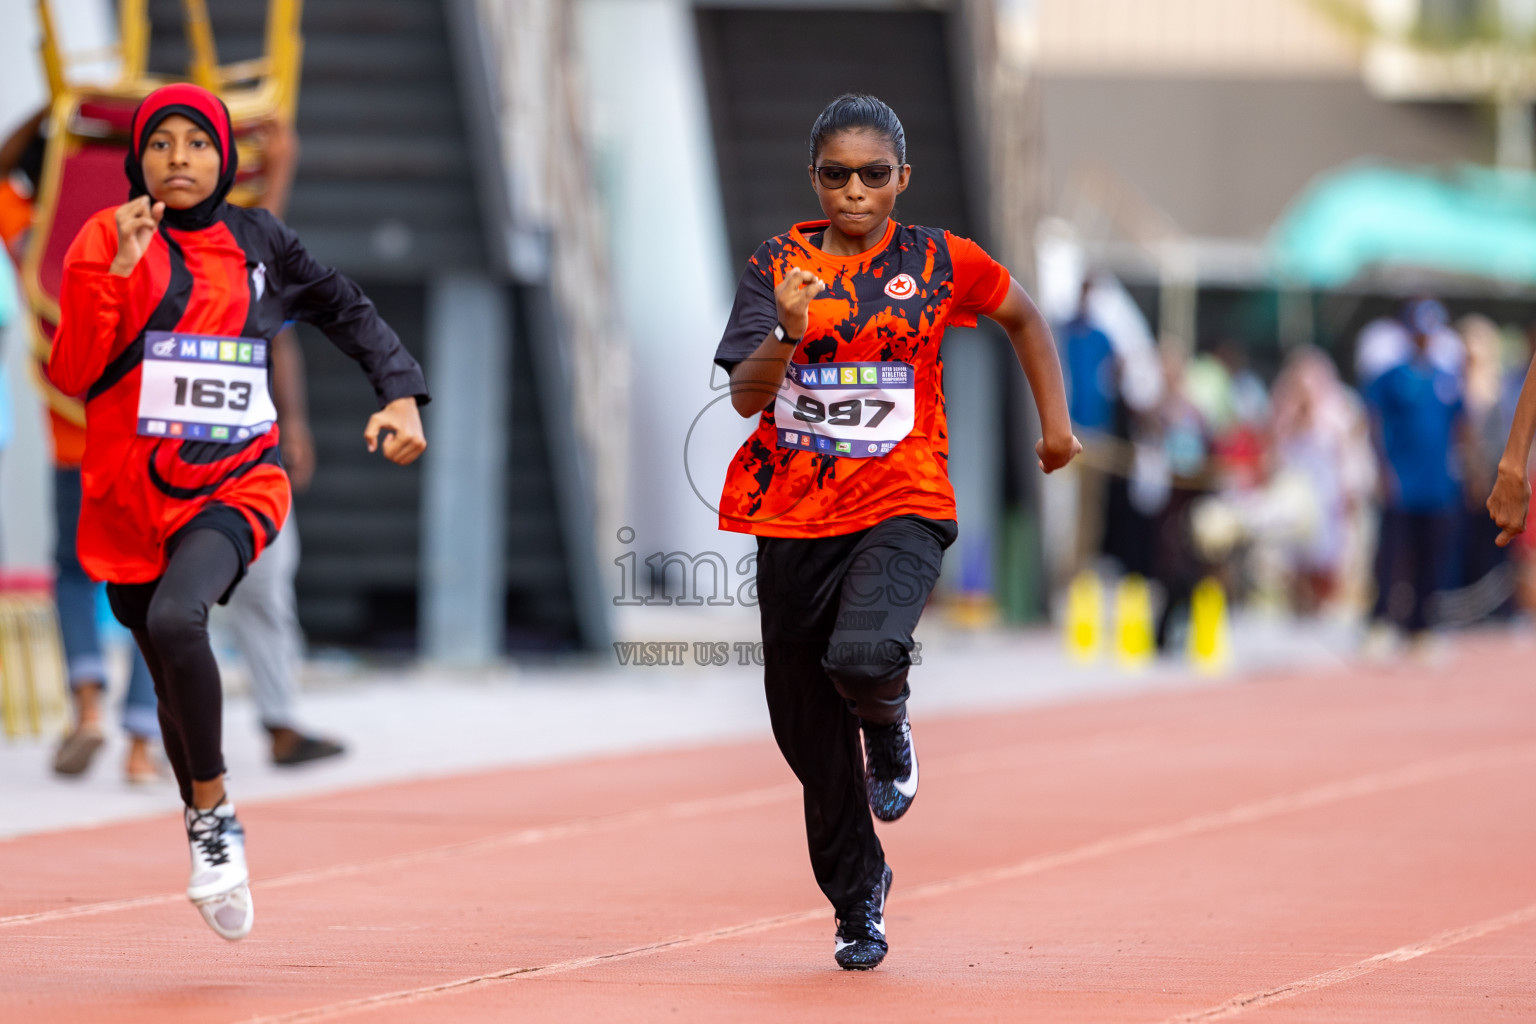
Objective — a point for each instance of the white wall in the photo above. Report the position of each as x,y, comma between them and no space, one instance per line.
673,279
84,25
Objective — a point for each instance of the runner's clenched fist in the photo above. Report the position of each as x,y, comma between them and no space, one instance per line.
398,424
1509,504
793,297
137,222
1054,453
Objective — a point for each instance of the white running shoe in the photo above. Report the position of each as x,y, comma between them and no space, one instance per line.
230,915
220,883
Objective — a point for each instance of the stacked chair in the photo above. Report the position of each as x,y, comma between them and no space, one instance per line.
32,699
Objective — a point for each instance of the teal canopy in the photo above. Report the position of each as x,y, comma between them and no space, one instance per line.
1470,221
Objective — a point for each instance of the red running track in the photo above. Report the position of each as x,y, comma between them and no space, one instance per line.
1351,846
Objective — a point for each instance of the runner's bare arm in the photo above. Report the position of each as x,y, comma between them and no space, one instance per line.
756,379
1033,344
1511,497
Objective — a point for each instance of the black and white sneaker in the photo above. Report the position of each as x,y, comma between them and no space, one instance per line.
220,883
861,929
890,767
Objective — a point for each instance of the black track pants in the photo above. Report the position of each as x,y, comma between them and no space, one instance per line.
169,619
1411,561
838,615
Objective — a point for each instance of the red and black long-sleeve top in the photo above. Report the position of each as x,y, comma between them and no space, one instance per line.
240,278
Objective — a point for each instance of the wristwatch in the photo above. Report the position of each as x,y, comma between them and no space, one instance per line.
782,335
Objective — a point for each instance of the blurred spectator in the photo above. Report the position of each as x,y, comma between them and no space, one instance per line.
1137,471
21,165
1392,341
1092,374
75,594
1481,581
1321,436
1234,404
263,611
1091,369
1173,443
15,218
9,305
1418,415
1480,559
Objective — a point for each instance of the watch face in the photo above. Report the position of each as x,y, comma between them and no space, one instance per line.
778,331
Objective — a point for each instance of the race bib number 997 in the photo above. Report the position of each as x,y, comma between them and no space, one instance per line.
851,410
200,387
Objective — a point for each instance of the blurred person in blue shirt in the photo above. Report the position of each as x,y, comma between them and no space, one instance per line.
1092,378
1091,369
1390,341
1420,427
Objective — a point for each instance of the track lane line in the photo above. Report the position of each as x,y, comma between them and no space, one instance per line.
1253,1000
404,997
681,810
1289,803
1322,795
678,811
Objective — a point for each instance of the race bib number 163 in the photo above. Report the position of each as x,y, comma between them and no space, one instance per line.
204,388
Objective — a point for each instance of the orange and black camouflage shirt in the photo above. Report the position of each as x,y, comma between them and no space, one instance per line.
856,434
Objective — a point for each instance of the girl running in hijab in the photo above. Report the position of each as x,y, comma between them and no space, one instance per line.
834,340
169,306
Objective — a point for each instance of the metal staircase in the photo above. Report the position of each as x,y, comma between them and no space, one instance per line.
762,111
386,193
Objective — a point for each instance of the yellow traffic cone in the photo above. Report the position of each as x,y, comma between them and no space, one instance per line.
1208,640
1085,618
1134,642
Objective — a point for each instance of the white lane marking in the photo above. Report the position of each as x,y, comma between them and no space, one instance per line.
1288,803
1306,799
1253,1000
964,763
416,995
681,810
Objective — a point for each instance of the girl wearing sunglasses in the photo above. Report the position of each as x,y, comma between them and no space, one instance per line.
833,343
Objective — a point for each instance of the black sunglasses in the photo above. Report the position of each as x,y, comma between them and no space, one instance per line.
872,175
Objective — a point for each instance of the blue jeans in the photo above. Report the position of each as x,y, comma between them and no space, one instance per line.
76,597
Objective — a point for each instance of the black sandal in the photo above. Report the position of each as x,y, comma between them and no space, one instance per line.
308,748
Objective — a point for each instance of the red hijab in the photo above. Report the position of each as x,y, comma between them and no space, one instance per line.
208,112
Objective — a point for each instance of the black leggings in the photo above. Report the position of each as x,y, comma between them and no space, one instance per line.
169,619
838,615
